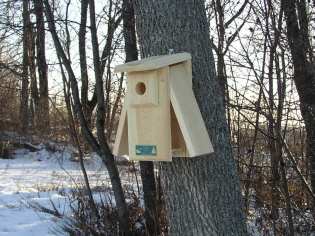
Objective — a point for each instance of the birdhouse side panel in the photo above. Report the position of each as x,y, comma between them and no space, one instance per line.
121,141
182,71
188,114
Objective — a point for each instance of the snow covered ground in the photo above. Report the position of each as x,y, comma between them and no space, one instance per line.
43,177
40,177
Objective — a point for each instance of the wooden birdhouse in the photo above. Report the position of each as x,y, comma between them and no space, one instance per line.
160,116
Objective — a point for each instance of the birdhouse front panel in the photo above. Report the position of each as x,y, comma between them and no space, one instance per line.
143,88
149,112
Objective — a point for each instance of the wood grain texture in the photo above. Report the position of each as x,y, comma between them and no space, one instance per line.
187,112
121,141
150,122
150,81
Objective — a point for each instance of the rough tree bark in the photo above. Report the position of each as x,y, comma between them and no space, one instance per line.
129,31
43,105
202,194
304,72
83,64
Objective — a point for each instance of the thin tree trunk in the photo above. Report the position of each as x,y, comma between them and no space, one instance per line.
100,121
281,87
146,167
223,43
274,158
75,138
24,111
100,147
221,74
304,73
33,77
252,155
83,64
288,207
202,194
43,109
256,127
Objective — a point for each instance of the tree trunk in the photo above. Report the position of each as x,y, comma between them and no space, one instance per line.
105,152
100,146
304,73
43,109
281,87
33,77
24,111
83,64
129,32
146,167
202,194
274,157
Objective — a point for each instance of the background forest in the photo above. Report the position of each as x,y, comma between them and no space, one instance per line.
58,84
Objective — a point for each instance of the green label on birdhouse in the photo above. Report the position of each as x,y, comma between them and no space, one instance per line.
146,150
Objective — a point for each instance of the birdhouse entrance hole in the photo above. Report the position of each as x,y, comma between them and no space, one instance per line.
140,88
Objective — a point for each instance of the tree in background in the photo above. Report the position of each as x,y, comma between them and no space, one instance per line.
304,72
42,99
34,105
24,111
99,143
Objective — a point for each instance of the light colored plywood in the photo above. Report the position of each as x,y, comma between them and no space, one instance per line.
161,110
188,69
143,89
183,71
153,63
188,114
150,133
121,141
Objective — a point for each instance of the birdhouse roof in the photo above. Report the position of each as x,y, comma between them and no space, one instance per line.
153,63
